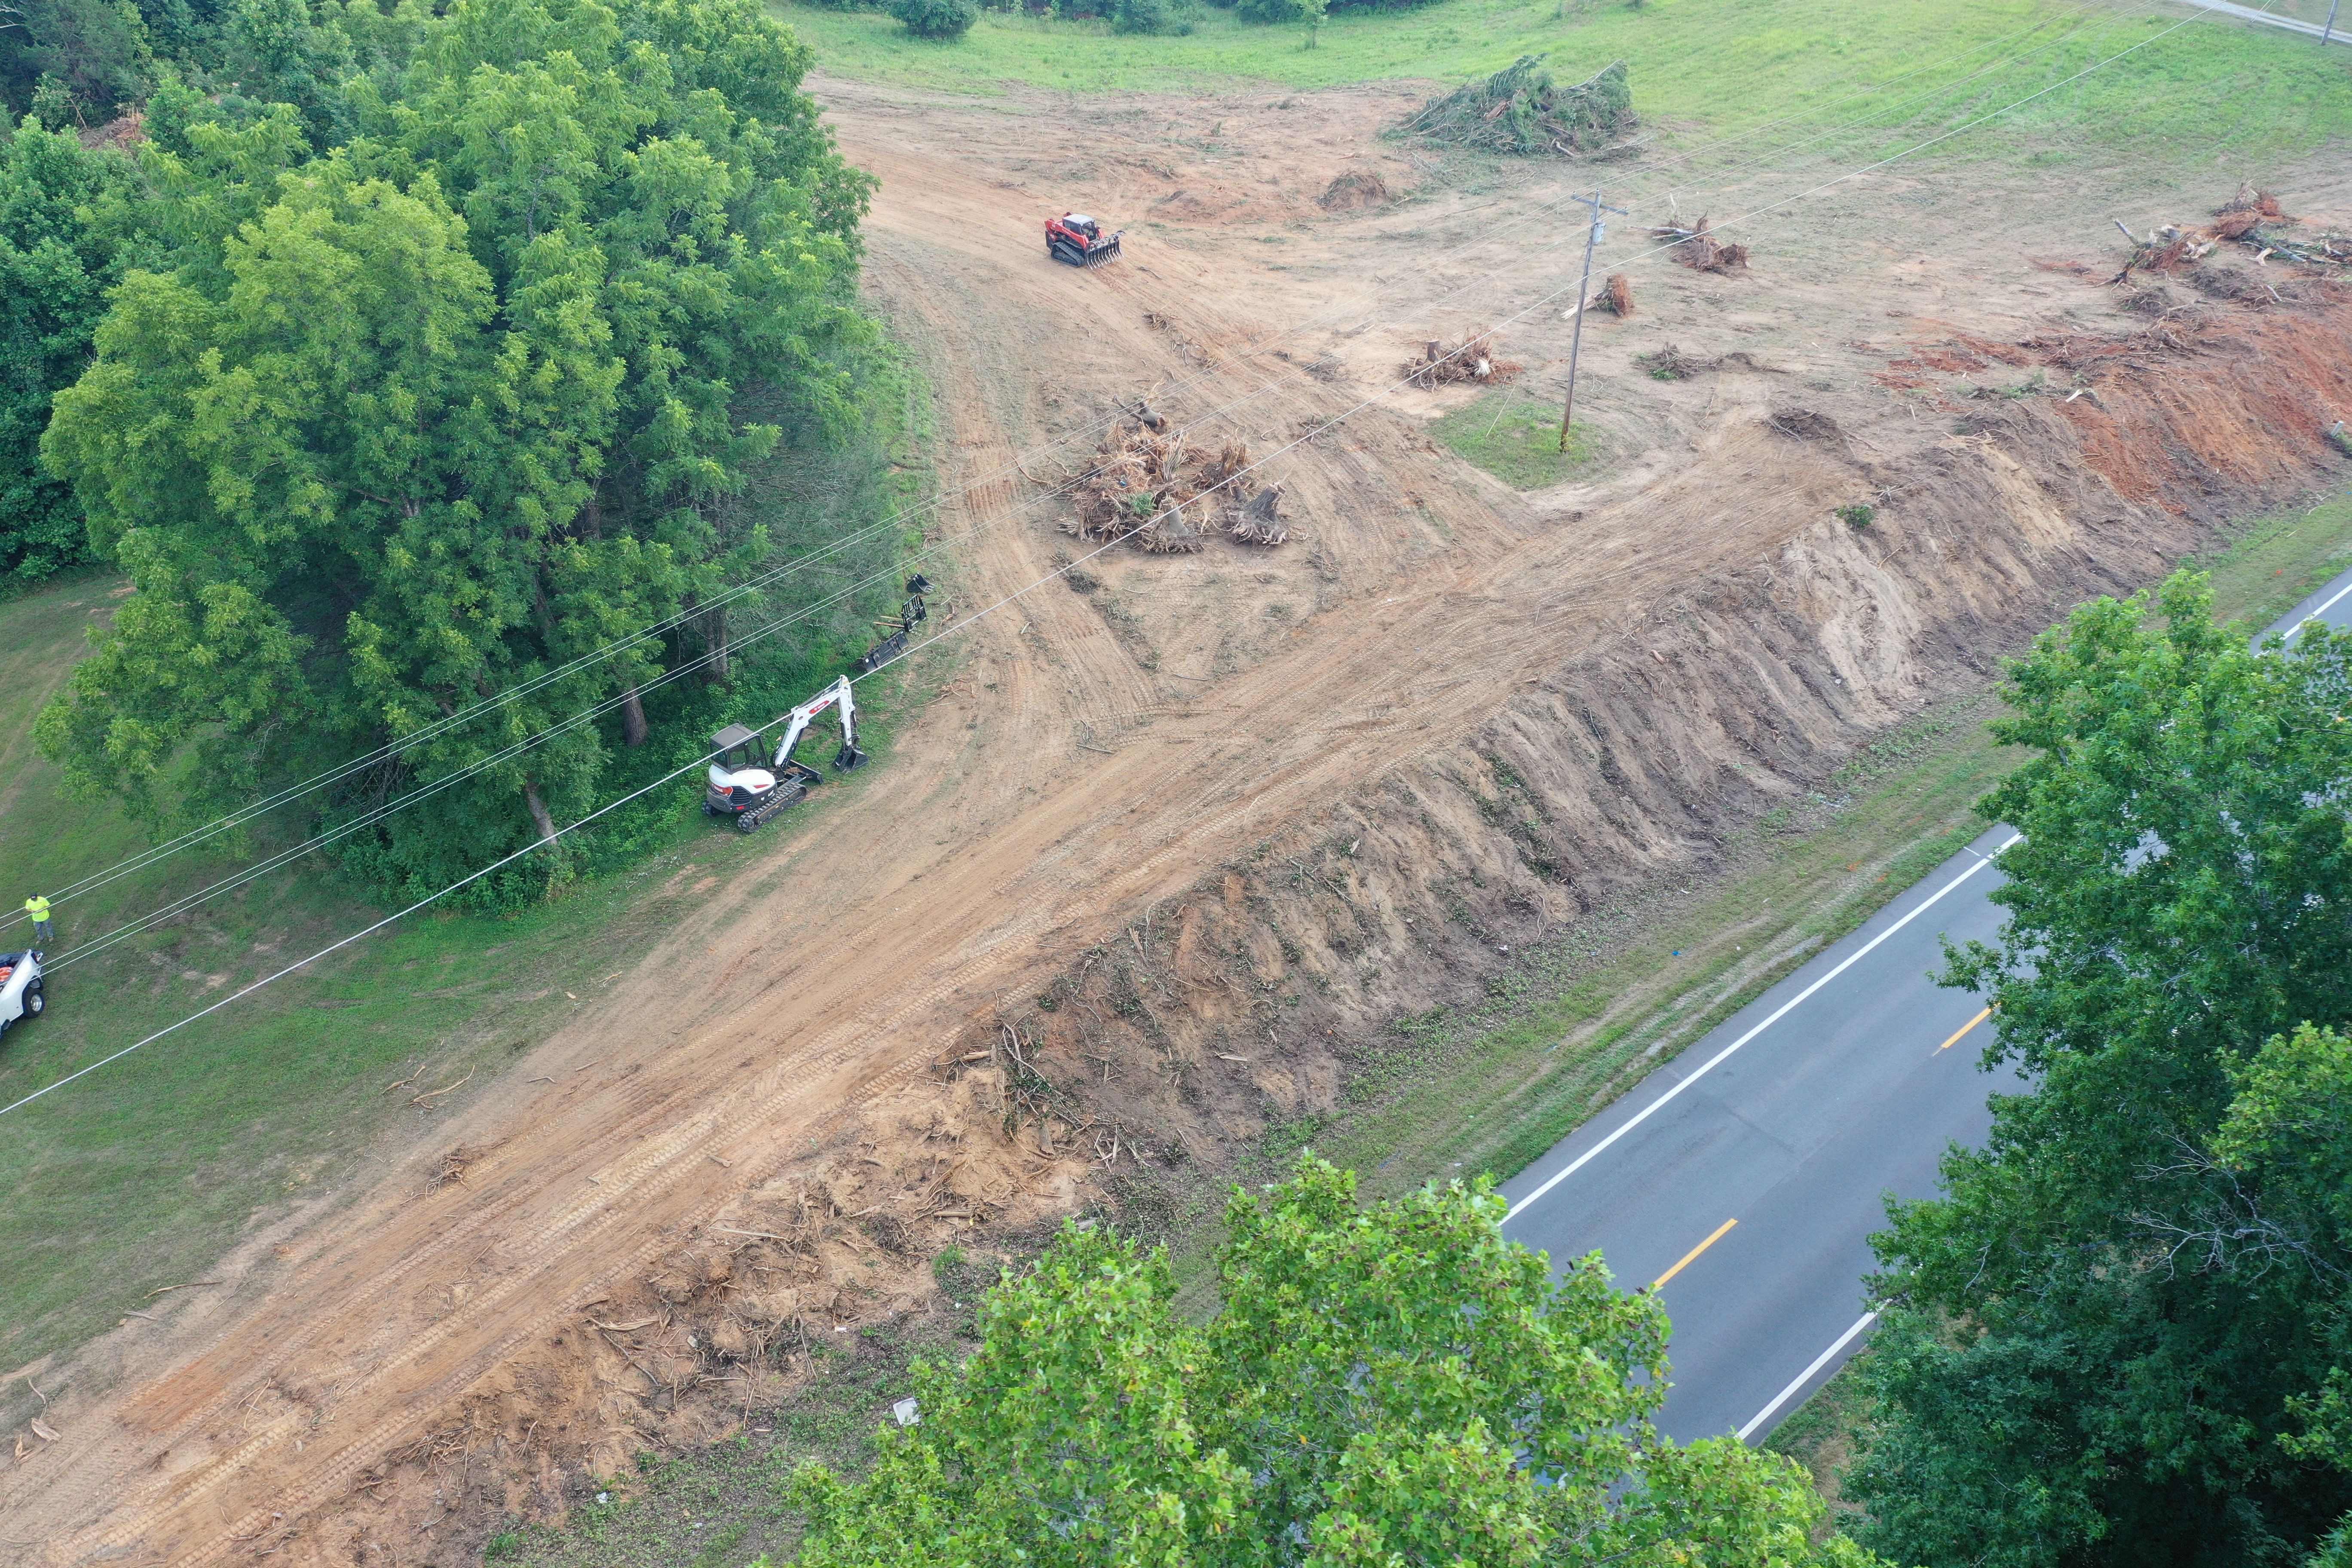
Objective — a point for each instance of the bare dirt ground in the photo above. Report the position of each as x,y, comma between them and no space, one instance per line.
1459,712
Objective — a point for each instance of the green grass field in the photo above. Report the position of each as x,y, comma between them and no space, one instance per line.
154,1166
1716,66
1515,438
148,1170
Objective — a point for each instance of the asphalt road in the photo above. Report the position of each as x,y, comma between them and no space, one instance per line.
2319,29
1747,1172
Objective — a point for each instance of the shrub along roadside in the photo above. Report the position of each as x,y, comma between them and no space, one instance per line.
946,20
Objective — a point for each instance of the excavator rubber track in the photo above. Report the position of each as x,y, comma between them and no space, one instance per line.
787,791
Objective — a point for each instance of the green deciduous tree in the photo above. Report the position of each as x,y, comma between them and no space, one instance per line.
64,239
1390,1387
417,420
97,51
2111,1329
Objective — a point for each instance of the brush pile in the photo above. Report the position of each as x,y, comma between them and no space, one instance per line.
1472,359
1147,488
1697,248
2251,220
1616,296
1670,363
1522,111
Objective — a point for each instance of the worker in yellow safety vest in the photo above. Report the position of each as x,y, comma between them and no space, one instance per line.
37,908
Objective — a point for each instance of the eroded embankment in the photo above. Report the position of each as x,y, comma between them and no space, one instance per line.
1141,1071
1255,997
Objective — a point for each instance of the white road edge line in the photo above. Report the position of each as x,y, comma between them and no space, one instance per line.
1806,1376
1650,1109
2314,615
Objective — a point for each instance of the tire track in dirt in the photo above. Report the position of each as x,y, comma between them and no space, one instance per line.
825,975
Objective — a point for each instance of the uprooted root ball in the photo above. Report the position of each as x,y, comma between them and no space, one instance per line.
1147,487
1471,360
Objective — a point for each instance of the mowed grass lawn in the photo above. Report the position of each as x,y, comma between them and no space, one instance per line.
2185,79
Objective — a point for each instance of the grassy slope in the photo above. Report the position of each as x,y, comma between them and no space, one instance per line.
1728,65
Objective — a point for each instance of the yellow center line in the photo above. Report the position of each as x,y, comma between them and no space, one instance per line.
1660,1281
1964,1028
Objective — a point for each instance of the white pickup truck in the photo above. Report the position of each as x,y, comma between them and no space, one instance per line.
20,988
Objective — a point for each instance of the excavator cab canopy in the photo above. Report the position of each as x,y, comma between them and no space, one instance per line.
1083,224
733,738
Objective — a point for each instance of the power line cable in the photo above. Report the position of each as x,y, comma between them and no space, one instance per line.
1540,303
344,829
609,651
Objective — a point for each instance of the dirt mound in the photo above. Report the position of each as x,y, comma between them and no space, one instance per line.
1805,425
1521,111
1354,191
2190,415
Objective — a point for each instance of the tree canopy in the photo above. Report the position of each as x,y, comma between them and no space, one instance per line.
1384,1387
2120,1334
452,373
67,231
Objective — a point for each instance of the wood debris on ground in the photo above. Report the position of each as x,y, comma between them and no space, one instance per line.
1151,487
1472,359
1521,111
1670,363
2254,222
1697,248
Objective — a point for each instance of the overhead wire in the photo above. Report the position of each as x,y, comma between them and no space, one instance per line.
1539,303
401,744
346,829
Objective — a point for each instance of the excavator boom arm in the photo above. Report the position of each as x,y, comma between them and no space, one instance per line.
799,720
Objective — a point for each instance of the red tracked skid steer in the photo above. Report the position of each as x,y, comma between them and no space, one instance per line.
1079,240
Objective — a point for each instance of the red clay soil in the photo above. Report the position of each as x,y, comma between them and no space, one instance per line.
2189,414
1178,791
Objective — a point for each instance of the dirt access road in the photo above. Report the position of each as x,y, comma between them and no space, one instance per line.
1099,742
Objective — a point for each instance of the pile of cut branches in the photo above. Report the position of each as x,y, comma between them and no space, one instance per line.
1670,363
1146,488
1697,248
1521,111
2252,220
1471,359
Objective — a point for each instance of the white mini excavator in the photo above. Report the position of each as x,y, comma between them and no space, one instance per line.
741,789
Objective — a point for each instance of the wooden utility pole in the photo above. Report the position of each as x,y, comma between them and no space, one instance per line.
2329,31
1576,340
